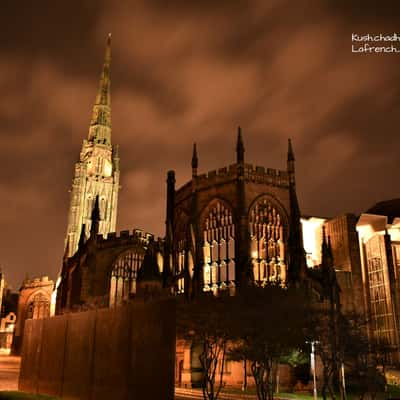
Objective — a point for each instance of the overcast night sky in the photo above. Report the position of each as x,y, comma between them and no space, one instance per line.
187,71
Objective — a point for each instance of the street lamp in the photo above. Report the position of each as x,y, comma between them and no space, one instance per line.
313,368
343,381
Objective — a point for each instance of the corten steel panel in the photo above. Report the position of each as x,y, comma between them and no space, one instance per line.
52,355
116,354
111,356
31,349
152,350
79,356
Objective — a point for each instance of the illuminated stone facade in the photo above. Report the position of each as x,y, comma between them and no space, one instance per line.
97,171
103,272
236,224
34,302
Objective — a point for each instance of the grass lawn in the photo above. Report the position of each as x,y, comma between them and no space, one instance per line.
24,396
393,392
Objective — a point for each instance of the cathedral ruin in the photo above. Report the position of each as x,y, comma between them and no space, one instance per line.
240,223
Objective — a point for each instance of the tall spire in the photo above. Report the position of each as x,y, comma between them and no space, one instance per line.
239,147
100,124
195,161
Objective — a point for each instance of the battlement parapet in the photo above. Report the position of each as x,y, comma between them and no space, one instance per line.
269,176
252,173
134,236
37,282
217,177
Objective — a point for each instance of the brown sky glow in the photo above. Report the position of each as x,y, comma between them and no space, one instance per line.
187,71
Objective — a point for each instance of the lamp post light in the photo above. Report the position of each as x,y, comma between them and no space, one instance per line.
313,368
343,381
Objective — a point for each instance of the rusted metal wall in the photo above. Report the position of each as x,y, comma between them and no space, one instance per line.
122,353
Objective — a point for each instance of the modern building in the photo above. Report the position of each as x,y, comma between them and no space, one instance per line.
379,241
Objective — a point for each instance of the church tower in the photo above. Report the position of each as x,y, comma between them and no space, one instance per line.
97,170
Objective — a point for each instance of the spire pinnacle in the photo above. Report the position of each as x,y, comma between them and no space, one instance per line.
94,229
100,124
290,164
103,94
290,154
326,249
195,160
82,237
239,147
323,235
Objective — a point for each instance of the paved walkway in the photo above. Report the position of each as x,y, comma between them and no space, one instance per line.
182,394
10,365
9,371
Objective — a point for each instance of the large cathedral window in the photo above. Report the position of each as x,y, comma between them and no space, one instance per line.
218,249
180,266
123,276
267,243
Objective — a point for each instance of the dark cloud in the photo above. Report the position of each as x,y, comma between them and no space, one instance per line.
185,72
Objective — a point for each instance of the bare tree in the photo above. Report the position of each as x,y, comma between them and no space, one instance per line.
269,323
206,321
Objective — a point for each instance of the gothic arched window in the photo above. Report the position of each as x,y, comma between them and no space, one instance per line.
267,230
39,307
181,252
123,276
218,248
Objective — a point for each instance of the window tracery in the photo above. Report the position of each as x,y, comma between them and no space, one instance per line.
181,252
219,249
39,307
267,243
123,276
